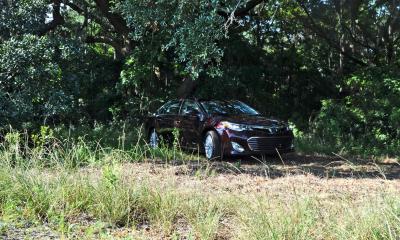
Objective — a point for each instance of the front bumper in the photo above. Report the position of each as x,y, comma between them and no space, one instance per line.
256,142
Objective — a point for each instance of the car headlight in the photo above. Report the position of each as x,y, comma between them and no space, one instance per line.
234,126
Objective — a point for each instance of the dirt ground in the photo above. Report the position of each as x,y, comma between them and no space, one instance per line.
332,176
296,164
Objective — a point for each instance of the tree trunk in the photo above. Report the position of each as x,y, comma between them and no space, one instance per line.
187,88
341,40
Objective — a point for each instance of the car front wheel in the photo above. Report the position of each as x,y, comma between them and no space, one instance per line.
153,139
211,145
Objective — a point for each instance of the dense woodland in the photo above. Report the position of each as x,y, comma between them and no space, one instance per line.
329,67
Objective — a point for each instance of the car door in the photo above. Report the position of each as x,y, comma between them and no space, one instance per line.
167,118
190,123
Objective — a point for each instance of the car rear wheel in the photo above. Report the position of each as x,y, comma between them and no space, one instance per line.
153,139
211,145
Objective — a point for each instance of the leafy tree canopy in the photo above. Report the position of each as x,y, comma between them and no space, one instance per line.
76,61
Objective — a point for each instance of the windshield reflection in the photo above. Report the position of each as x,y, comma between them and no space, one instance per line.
228,108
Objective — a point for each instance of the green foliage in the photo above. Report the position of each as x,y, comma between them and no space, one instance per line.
21,17
25,70
189,29
278,82
175,40
140,87
83,62
12,145
44,136
367,120
39,84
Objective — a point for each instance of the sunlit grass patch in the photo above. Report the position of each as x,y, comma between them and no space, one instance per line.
83,190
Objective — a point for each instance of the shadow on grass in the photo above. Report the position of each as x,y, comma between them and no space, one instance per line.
296,164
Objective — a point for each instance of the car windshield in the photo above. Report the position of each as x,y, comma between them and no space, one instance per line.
228,108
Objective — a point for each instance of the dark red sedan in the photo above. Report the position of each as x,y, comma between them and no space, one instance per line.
219,128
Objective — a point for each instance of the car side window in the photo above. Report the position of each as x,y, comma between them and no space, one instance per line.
169,108
189,106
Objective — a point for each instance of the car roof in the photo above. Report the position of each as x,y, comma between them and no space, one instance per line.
200,99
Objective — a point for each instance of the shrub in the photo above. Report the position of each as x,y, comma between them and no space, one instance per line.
367,120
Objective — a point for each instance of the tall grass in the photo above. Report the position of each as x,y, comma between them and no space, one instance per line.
57,197
310,144
309,218
61,182
47,150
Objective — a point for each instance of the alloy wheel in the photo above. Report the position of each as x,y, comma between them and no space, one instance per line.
209,146
153,141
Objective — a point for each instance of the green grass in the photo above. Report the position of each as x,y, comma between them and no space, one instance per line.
307,218
59,182
78,151
37,195
308,144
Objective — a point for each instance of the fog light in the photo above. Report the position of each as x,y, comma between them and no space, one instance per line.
237,147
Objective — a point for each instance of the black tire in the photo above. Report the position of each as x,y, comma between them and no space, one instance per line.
215,147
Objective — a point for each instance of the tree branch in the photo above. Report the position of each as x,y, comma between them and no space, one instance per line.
100,39
75,7
111,22
356,40
321,33
57,19
116,20
87,15
243,11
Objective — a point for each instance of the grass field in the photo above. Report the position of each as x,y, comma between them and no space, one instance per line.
77,190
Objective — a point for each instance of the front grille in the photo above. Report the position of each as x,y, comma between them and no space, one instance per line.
272,130
269,144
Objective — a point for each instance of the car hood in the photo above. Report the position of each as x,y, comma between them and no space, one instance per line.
253,120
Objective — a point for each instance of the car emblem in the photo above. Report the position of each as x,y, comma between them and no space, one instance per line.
273,130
